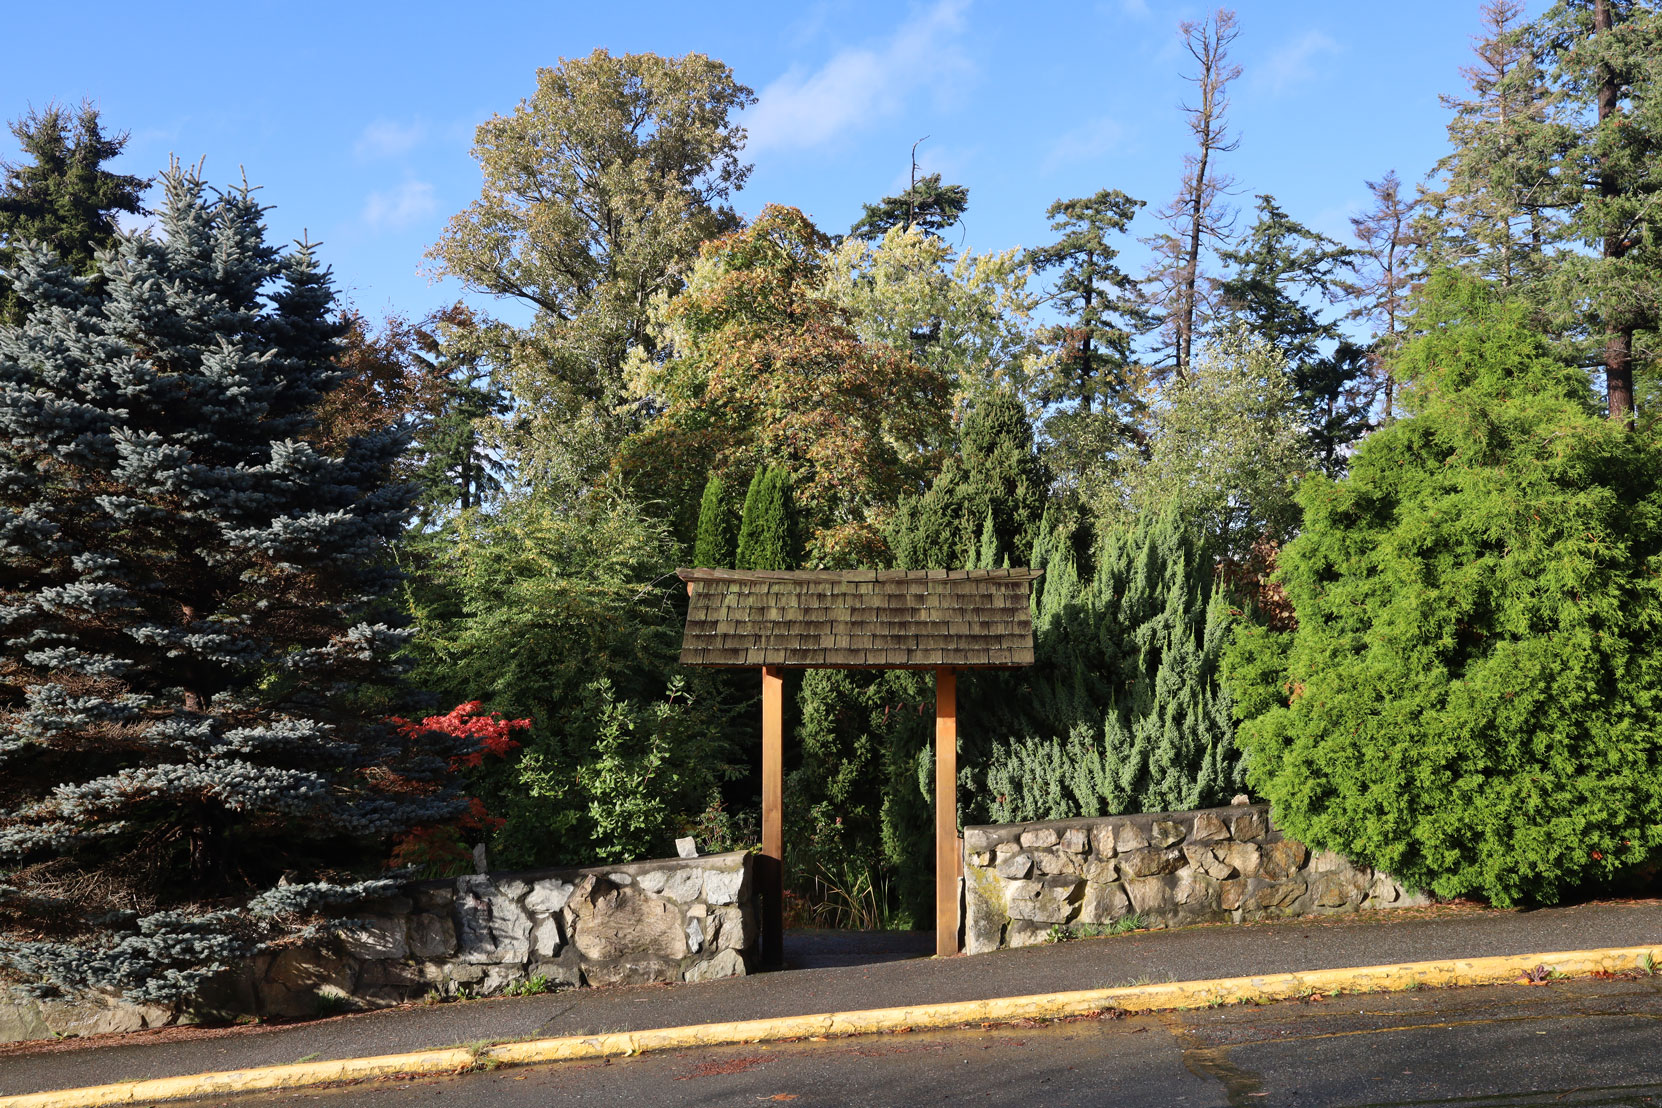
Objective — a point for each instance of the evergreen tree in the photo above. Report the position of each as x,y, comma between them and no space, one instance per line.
1496,210
1607,72
1470,699
767,529
1096,378
194,600
456,468
66,200
717,541
1127,709
1279,270
997,478
926,204
1386,264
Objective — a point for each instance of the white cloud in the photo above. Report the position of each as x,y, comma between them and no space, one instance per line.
1294,63
859,84
1090,140
386,138
400,207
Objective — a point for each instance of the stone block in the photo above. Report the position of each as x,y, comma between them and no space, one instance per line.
1166,832
21,1018
1055,861
1151,895
1103,904
1283,859
1203,858
491,926
1245,859
1248,827
1274,897
979,838
686,885
1326,861
545,937
431,936
1128,836
625,924
1016,867
434,898
695,935
1338,890
730,929
1231,893
724,963
1076,840
1102,840
723,886
1149,861
375,937
1207,828
1197,893
984,914
550,895
511,887
621,877
1051,901
1101,871
91,1014
1027,933
653,880
686,847
982,858
1037,838
632,971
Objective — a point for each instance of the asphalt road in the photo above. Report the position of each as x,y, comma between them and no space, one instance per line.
1568,1043
849,979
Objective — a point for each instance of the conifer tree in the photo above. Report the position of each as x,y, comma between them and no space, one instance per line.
768,529
194,604
717,541
1470,699
1386,263
1126,707
997,475
1281,271
926,204
66,200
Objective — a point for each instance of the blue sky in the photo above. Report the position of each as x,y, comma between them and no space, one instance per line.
357,118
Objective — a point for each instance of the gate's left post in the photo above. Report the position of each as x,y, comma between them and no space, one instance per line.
770,867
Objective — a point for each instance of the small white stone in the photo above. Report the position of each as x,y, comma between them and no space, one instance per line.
686,848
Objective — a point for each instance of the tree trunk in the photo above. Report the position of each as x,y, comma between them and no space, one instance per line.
1618,343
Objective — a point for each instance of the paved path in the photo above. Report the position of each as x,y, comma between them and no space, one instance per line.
1188,954
1571,1044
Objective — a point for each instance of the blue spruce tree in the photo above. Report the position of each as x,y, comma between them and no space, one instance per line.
192,749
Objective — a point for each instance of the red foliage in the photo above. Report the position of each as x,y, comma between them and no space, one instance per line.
441,849
494,734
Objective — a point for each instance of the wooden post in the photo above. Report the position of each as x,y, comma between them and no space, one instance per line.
946,812
770,867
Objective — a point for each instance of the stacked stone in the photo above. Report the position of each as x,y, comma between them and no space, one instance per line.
1169,869
691,919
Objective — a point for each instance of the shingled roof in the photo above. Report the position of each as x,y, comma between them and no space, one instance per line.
859,619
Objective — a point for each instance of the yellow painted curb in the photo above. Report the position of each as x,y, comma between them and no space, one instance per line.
1131,998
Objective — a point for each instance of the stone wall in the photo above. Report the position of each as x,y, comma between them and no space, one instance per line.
691,919
1170,869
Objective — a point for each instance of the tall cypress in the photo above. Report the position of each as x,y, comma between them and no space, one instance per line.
717,540
192,601
768,531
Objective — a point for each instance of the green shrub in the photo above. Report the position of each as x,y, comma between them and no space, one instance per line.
1471,698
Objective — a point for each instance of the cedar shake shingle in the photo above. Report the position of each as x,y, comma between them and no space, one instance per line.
859,619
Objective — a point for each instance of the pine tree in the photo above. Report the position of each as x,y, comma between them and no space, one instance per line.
455,465
925,204
1199,216
194,600
1386,264
66,201
1281,269
768,529
1096,382
1470,699
717,541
